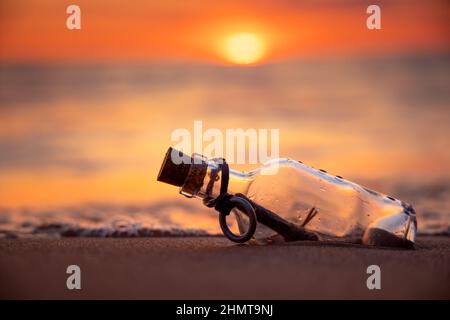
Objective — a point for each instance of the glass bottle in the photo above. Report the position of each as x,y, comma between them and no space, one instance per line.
293,201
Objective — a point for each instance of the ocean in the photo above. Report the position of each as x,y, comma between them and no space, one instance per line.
81,144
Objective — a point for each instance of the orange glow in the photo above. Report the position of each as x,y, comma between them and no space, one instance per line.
244,48
34,30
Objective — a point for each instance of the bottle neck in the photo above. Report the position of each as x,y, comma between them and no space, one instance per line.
239,182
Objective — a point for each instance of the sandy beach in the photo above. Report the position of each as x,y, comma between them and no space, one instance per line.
214,268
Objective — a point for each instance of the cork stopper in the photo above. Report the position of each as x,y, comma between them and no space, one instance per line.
175,167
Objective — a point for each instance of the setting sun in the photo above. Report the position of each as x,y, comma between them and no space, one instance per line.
244,48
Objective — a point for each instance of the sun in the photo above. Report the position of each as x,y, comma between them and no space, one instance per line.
244,48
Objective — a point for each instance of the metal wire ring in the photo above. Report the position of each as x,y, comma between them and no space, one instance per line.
245,206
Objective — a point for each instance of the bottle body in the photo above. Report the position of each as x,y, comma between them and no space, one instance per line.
329,206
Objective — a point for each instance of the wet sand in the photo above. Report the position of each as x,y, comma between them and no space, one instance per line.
214,268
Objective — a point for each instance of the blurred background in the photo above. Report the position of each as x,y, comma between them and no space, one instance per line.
86,115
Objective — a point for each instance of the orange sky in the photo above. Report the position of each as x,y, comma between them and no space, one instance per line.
35,30
83,133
